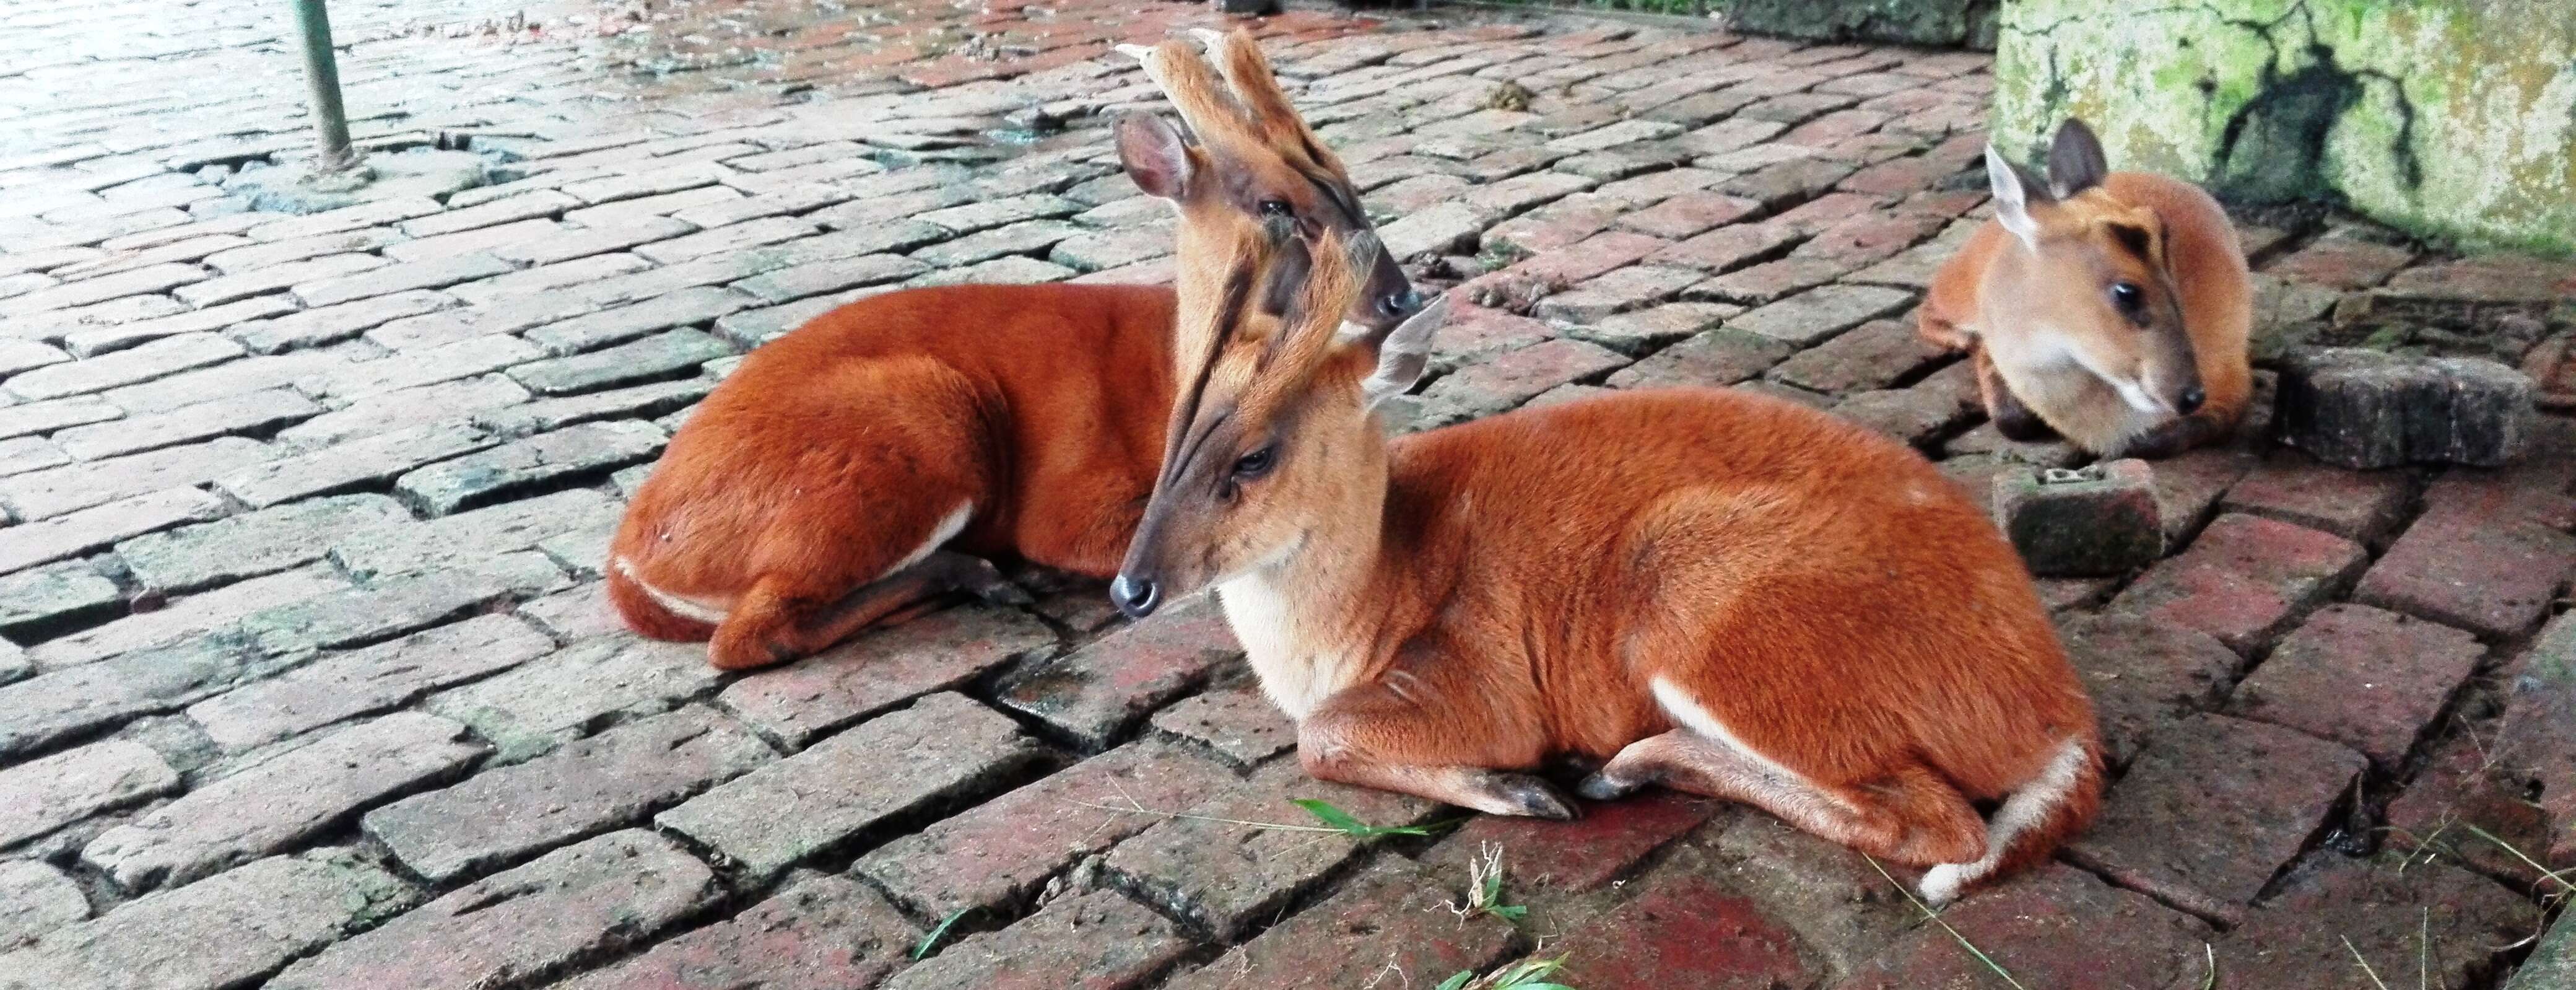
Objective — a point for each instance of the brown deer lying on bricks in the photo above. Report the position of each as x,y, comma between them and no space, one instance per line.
1715,591
2111,308
874,457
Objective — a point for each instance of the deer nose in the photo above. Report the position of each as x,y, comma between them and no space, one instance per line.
1135,596
2191,399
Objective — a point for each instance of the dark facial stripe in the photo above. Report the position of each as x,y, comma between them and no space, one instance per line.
1238,290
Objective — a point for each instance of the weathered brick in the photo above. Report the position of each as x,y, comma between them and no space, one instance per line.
1512,378
2361,408
230,378
48,417
227,931
353,464
280,801
997,855
435,273
749,233
811,803
1640,331
1811,317
275,278
462,359
1226,878
572,903
1919,414
822,933
2212,808
653,357
546,702
153,360
1686,930
261,255
22,355
42,795
35,602
2384,912
1444,228
972,217
249,412
537,203
1722,356
2093,522
2368,679
832,276
332,324
505,471
72,487
405,409
478,240
2058,927
52,706
2245,580
1617,292
2466,780
2145,676
95,341
615,778
1097,694
2343,261
1098,941
1013,270
612,326
1877,354
156,278
1730,247
1239,725
35,899
1391,921
2488,553
80,532
583,242
1606,844
465,538
2188,487
1025,237
391,607
366,681
880,669
368,214
253,544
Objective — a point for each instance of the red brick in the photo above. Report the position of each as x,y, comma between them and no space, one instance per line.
1729,248
368,680
2053,927
226,931
1098,941
823,933
1688,214
1686,931
1594,256
1919,414
1839,904
1899,176
1721,356
281,800
1869,238
36,898
1239,725
2470,780
1617,292
998,854
608,780
575,902
2362,506
2488,554
2145,676
1226,878
1770,280
1578,856
2189,486
1512,378
811,804
1475,333
2213,808
1877,354
1389,924
880,669
1810,317
2368,679
2245,580
2538,735
2394,916
1097,694
2341,262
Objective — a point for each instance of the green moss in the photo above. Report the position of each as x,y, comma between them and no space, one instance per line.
2453,119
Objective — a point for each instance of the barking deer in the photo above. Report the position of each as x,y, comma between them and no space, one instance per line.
2108,307
1710,590
874,457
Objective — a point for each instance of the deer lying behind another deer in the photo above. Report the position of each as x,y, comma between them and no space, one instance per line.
2108,307
1710,590
847,471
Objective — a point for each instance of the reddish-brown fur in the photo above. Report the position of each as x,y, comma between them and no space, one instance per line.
2032,314
832,453
1446,611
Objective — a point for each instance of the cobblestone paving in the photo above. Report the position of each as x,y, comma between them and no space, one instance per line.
307,680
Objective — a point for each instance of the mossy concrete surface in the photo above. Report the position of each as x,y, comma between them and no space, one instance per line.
2452,119
1969,23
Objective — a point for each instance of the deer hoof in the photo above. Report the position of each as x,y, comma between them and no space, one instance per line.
1603,787
1530,796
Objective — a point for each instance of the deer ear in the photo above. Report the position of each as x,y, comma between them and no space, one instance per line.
2012,197
1404,352
2075,160
1155,156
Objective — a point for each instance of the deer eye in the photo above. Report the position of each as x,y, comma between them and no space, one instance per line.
2127,297
1255,464
1277,208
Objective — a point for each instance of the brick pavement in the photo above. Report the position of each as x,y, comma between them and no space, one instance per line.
306,679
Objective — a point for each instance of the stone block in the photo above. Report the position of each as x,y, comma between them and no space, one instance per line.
2365,409
226,931
34,899
41,795
1097,694
2368,679
2088,522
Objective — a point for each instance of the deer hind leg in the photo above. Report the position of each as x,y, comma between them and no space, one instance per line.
1910,816
1375,736
774,623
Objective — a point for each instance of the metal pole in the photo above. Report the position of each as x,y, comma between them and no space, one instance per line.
322,69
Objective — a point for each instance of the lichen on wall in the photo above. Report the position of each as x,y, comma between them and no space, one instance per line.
2453,119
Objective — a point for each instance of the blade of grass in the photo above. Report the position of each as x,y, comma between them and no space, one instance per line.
1935,916
932,940
2365,963
2210,981
2558,877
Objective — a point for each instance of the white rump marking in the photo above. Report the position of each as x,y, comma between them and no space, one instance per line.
1680,708
949,527
2021,812
691,609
